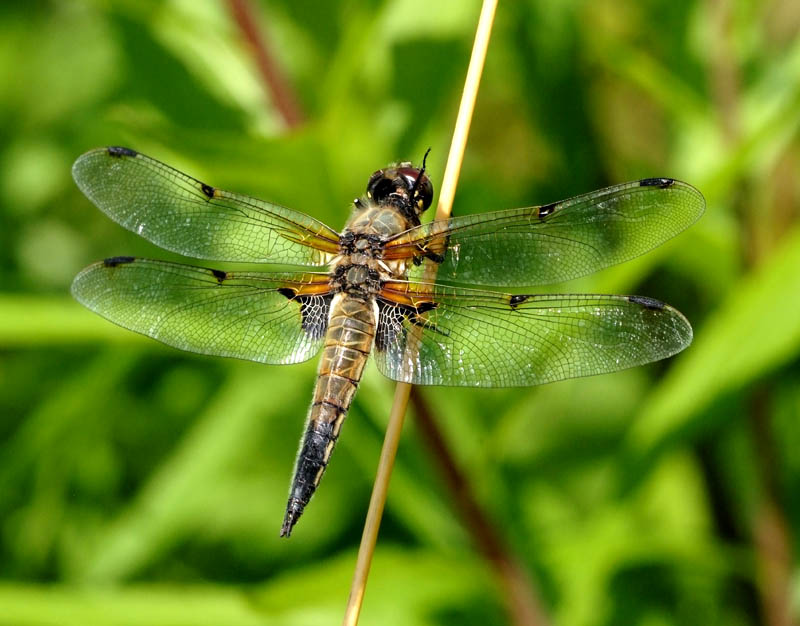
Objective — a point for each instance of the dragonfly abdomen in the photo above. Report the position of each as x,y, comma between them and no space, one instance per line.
348,341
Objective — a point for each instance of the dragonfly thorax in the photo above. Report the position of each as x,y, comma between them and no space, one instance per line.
367,244
357,279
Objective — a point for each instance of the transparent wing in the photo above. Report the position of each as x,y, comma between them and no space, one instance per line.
184,215
269,317
475,338
554,242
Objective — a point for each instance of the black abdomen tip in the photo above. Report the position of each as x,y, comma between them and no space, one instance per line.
657,182
119,151
294,509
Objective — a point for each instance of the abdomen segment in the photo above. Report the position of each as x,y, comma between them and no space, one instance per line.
348,341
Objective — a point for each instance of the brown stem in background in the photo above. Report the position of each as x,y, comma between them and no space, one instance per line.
724,75
771,538
275,83
771,532
521,597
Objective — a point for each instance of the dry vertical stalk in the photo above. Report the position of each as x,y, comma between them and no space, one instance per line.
402,391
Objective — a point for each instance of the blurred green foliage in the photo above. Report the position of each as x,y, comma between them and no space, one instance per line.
140,485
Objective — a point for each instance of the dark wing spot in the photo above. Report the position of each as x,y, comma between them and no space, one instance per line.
118,260
515,301
219,275
657,182
207,189
547,209
119,151
314,311
647,303
390,328
391,317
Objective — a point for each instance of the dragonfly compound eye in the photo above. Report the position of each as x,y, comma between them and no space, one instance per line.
380,186
422,190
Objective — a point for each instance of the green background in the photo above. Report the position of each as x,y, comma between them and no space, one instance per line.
142,485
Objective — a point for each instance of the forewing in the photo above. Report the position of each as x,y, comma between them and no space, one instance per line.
555,242
184,215
269,317
474,338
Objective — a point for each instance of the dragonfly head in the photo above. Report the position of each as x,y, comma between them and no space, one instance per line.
403,186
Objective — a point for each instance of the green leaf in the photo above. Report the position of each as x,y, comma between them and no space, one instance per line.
753,332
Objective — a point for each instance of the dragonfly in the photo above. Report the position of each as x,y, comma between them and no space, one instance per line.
365,291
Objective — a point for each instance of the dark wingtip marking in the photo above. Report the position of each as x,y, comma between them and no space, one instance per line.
547,209
208,190
657,182
424,307
286,292
118,260
517,300
219,275
647,303
119,151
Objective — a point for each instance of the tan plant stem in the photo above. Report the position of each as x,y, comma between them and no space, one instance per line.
397,414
